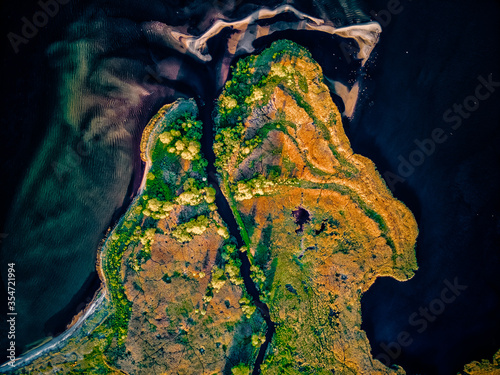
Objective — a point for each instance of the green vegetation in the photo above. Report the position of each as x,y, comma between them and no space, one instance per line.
138,227
291,267
205,311
181,138
368,211
237,216
120,240
253,82
229,270
304,329
241,369
180,142
185,232
255,76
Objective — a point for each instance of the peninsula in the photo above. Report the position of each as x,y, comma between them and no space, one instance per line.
316,226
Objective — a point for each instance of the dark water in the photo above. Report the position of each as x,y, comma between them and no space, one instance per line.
223,208
429,57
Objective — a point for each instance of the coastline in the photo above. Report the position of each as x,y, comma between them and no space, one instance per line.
101,300
59,341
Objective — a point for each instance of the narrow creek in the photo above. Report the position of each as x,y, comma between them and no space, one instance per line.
226,214
338,70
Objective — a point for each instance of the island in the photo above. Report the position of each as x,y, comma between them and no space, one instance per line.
186,292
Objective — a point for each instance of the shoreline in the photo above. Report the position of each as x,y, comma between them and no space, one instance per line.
77,322
102,293
59,341
366,35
